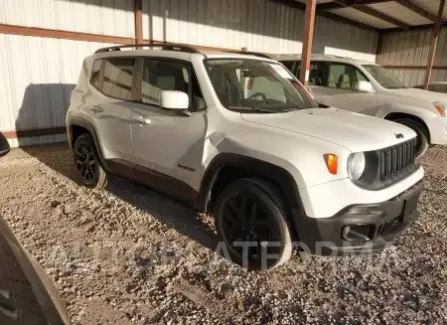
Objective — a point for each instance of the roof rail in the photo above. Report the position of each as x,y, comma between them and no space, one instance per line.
167,47
252,53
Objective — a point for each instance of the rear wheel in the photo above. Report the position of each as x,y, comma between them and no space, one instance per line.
252,225
423,141
87,164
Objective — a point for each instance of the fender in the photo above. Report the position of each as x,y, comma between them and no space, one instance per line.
420,113
276,174
79,121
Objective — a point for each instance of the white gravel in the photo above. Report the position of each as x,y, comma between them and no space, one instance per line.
127,255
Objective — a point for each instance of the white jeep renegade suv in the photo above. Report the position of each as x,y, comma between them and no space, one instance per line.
368,88
238,136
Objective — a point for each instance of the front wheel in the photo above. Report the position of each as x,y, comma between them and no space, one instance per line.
252,225
422,141
87,164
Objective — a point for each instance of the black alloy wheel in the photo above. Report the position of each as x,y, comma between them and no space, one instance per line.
87,165
252,226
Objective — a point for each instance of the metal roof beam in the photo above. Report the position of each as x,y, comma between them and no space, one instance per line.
337,4
382,16
322,13
434,42
361,5
415,8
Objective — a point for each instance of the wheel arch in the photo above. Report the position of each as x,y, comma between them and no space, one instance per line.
227,167
396,115
77,124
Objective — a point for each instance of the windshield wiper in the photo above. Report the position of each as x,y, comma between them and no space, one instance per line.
253,109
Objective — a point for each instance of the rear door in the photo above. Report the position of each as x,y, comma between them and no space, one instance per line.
113,81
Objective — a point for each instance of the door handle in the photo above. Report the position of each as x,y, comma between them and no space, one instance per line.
141,119
96,108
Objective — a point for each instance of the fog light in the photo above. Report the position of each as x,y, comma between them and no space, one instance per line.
358,233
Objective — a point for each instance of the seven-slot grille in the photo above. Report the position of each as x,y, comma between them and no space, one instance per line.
395,159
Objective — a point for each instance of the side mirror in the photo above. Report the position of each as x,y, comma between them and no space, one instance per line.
366,86
174,100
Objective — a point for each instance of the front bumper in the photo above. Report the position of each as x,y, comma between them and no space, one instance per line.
360,228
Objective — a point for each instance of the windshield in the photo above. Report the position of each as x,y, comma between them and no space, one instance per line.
385,78
251,85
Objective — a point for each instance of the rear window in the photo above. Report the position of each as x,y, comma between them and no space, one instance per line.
95,75
118,78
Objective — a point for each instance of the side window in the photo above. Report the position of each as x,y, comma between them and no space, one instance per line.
293,66
118,78
96,73
316,71
345,76
338,77
162,75
159,75
316,74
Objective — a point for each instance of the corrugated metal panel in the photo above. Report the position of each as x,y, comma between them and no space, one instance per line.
36,79
409,77
106,17
410,48
405,48
359,16
401,13
260,25
330,38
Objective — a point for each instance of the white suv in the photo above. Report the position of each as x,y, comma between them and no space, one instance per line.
238,136
368,88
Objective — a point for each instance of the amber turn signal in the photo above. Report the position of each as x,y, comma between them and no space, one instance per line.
440,109
331,163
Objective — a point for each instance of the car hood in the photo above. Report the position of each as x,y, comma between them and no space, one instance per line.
411,94
353,131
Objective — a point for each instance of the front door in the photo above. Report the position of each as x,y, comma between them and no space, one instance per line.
341,90
167,145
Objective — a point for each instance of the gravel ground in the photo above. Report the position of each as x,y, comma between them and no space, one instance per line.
127,255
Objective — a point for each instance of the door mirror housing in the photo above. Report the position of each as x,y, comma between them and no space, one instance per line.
366,86
174,100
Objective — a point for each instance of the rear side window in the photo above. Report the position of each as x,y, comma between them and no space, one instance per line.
95,75
118,78
293,66
316,73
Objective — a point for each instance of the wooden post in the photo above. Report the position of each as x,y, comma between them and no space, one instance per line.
434,42
139,21
309,22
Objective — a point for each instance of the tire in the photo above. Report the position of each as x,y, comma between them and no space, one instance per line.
423,137
87,164
247,213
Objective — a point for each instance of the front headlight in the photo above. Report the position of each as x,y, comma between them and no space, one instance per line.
441,108
356,165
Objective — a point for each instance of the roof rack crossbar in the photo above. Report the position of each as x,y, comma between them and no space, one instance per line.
168,47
